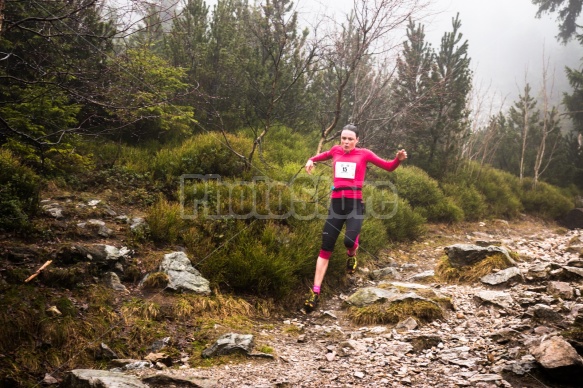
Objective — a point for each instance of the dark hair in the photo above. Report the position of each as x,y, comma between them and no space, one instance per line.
351,127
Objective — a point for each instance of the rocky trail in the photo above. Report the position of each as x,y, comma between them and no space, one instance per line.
507,335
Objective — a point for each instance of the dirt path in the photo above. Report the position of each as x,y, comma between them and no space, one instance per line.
325,349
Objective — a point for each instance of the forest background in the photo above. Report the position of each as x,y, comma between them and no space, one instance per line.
201,119
92,97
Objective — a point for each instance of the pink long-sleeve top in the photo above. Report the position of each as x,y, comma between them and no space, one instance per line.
349,168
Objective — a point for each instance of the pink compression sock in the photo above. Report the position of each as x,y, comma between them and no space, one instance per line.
316,289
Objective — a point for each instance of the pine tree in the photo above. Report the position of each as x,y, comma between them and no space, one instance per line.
524,118
412,91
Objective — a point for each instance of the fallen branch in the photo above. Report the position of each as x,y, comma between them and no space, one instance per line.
34,275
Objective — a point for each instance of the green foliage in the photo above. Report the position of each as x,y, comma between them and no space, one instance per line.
19,189
567,15
147,84
165,221
400,220
545,201
431,91
286,146
40,117
424,195
202,154
50,75
500,190
264,258
373,237
467,198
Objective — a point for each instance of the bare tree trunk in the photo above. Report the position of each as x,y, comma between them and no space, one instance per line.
549,125
1,15
524,133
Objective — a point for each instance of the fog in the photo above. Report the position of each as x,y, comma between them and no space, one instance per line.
507,43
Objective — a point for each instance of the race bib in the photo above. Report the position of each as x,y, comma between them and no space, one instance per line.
345,170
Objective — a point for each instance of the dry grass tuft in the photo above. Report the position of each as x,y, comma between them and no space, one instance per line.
156,281
471,273
138,309
391,313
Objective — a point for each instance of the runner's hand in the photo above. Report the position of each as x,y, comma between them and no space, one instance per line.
402,155
309,166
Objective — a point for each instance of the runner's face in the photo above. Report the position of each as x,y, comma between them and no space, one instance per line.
348,140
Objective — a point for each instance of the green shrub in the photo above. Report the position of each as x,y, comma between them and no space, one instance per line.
468,198
282,145
265,258
545,200
401,221
109,154
165,221
424,195
202,154
373,237
19,193
500,189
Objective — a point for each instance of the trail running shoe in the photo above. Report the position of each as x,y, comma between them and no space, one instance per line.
312,302
351,261
351,264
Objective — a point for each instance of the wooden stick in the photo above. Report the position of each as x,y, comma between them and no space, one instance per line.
34,275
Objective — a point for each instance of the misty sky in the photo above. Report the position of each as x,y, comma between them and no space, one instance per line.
506,42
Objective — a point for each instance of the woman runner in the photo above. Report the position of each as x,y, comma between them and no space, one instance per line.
346,207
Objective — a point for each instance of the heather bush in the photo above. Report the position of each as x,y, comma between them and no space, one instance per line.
19,193
467,198
545,200
424,194
202,154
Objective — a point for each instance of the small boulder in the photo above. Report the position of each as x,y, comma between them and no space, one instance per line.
182,275
100,379
559,360
230,343
461,255
502,277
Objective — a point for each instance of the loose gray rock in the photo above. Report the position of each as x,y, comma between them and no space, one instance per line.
499,298
502,277
100,254
561,290
406,325
112,281
544,314
422,276
182,275
485,378
461,255
104,352
539,271
389,272
230,343
138,224
49,380
555,352
54,210
92,378
573,272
